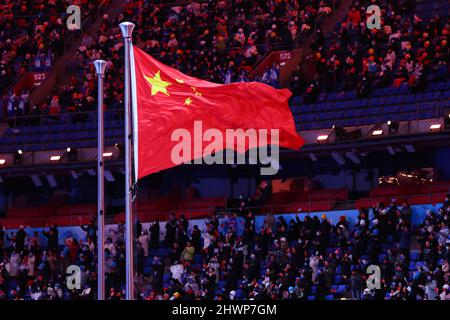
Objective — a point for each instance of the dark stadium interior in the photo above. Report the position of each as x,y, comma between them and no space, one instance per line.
371,185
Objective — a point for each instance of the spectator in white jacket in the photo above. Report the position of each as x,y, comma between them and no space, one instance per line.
431,290
31,264
314,264
14,264
143,239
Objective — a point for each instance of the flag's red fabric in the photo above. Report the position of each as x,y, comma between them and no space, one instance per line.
168,100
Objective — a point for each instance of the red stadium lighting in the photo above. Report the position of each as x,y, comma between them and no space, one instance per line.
107,154
323,138
55,158
377,132
435,127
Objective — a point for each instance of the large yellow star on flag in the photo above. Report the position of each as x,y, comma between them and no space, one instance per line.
188,101
158,85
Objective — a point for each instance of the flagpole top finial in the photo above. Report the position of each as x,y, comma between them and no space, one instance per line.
100,67
127,29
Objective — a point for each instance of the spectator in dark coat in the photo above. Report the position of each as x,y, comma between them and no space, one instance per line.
20,238
2,236
171,229
196,240
154,235
91,230
52,237
356,285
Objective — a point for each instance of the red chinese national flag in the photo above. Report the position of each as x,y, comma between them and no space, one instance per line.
166,100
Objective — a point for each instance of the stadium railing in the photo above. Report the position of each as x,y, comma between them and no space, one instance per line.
74,217
58,118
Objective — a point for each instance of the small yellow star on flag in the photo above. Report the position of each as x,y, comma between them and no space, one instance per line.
188,101
158,85
195,91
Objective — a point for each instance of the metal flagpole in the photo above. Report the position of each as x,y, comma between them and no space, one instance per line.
127,31
100,67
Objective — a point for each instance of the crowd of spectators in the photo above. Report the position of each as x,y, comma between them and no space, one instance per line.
217,41
286,259
32,35
221,42
296,259
406,50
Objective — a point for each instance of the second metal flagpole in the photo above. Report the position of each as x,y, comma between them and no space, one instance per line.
127,31
100,67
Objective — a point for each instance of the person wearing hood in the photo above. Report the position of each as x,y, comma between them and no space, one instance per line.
445,294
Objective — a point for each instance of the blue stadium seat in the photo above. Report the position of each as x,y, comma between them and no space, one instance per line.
12,284
414,255
341,289
162,252
36,148
148,261
420,264
167,277
196,266
198,258
148,270
381,257
338,270
338,279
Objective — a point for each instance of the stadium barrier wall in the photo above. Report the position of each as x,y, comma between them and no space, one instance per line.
419,212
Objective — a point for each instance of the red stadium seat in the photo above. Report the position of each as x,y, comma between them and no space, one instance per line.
313,206
68,220
78,209
42,212
12,223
